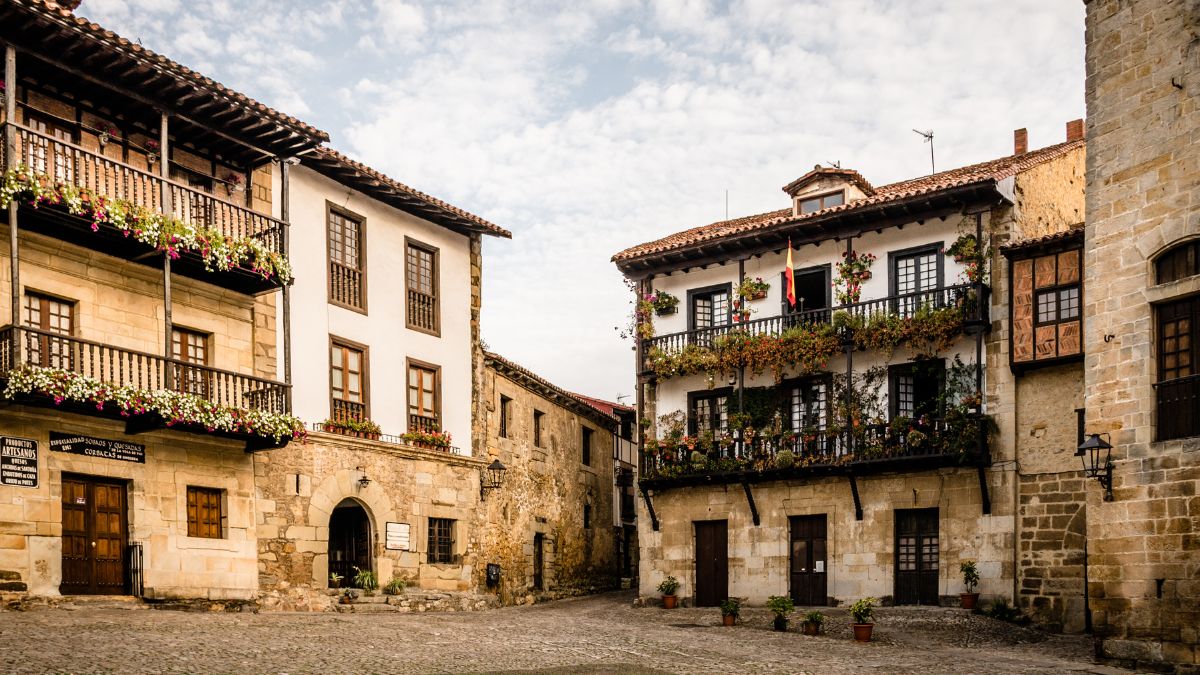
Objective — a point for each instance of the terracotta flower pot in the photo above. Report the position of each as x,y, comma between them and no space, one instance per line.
862,631
758,295
969,600
728,619
669,601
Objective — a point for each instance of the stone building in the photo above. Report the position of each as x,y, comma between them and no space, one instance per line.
147,266
625,454
385,339
1141,315
864,439
550,527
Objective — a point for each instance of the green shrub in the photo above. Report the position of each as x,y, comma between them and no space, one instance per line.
395,586
863,610
365,579
731,607
781,605
668,586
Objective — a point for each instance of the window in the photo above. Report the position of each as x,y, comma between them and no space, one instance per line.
587,516
915,272
348,380
441,540
813,291
709,309
190,347
51,316
811,204
45,154
708,411
808,404
538,415
421,284
204,512
586,442
505,411
1058,305
1046,308
1178,263
424,404
914,389
1178,386
347,260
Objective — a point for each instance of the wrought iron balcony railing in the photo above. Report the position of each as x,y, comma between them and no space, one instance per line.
971,298
70,164
118,367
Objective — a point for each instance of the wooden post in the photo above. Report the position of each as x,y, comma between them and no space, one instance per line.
849,347
286,308
10,161
167,207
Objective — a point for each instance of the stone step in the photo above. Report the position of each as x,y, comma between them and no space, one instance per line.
358,608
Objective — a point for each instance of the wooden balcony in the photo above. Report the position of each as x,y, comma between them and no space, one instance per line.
117,367
972,298
66,163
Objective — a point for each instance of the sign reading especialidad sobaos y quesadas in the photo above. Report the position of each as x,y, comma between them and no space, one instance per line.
97,447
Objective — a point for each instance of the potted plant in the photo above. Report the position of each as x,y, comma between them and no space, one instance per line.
366,580
152,148
335,580
663,303
782,606
753,289
347,597
813,622
428,440
970,576
395,586
232,181
668,588
863,611
730,609
352,427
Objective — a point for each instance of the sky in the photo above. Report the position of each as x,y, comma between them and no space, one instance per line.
589,127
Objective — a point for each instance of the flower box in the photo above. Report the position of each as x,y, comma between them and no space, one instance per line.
758,295
667,311
337,429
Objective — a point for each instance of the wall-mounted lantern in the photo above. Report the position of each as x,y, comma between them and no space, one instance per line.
491,478
363,481
1096,455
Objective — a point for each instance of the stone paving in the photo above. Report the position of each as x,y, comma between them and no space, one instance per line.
597,634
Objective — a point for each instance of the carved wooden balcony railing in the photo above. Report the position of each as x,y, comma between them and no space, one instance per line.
119,367
972,298
67,163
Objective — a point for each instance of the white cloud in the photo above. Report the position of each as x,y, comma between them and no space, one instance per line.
589,127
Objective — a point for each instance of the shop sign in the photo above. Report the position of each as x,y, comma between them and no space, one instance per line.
97,447
18,462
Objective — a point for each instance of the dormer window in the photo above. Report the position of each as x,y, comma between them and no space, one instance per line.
813,204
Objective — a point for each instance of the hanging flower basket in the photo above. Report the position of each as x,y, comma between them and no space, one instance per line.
753,288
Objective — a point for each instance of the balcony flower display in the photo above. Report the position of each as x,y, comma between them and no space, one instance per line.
165,233
175,408
753,288
966,252
352,427
439,440
852,272
661,303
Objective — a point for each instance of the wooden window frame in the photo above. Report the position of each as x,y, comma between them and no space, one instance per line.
538,416
1190,384
1191,246
913,251
785,399
1057,291
335,341
826,269
199,527
505,416
434,555
45,355
409,365
708,290
586,435
437,287
820,197
330,209
31,293
693,425
910,368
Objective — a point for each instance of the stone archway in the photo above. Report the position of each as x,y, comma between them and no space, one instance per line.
327,497
350,539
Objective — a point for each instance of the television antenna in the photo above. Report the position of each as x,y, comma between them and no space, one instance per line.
928,135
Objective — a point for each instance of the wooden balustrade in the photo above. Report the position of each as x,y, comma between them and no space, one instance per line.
422,310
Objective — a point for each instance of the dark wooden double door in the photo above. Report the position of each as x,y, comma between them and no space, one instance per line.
94,536
809,566
917,557
712,562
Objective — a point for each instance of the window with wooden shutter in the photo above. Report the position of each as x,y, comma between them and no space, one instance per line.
52,316
1178,387
1046,308
347,381
424,404
347,260
505,411
421,285
538,417
204,512
190,347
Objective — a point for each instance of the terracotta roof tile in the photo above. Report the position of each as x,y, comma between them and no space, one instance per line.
1075,230
996,169
365,177
565,398
818,171
55,11
606,407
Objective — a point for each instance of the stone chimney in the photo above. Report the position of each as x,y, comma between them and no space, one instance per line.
1075,130
1020,141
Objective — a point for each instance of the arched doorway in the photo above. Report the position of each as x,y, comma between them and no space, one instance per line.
349,540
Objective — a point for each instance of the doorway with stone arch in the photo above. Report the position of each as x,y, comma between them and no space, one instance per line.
350,542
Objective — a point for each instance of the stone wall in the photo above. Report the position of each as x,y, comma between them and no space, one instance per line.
546,489
299,486
1143,176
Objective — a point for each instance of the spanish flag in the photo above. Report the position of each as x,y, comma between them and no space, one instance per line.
791,279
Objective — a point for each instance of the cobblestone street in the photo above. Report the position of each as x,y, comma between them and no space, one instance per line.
596,634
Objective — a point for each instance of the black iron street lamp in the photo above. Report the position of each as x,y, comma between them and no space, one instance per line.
363,481
1096,455
491,478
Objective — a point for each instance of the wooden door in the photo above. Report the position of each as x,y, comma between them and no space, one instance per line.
539,543
712,562
809,567
94,536
916,557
